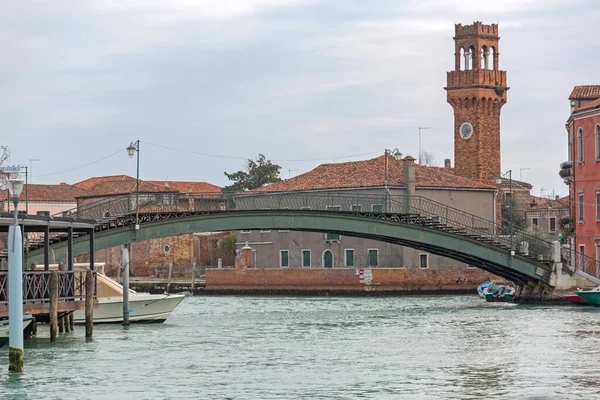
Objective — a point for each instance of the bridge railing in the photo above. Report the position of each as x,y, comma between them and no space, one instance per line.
521,241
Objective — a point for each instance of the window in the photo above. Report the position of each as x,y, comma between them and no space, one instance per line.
534,222
373,257
507,197
570,146
333,236
597,142
580,145
306,258
424,261
377,207
349,258
580,206
243,231
284,258
356,207
327,259
597,206
167,248
552,224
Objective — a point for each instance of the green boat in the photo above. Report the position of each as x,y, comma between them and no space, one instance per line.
590,296
490,298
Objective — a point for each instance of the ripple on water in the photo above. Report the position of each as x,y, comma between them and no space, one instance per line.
430,347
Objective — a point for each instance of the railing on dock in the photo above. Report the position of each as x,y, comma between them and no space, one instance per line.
36,286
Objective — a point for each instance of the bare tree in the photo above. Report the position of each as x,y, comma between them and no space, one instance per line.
4,155
426,158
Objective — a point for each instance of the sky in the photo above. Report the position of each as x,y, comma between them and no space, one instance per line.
205,85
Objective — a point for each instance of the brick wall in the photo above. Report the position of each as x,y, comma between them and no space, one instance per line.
384,279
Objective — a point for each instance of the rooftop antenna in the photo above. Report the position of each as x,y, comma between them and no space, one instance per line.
420,129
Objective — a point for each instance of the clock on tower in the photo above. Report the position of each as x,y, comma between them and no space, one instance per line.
476,90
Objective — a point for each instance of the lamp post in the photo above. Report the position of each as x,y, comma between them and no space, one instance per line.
15,282
397,156
499,180
134,147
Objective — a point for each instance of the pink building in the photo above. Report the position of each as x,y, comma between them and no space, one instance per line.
583,128
44,199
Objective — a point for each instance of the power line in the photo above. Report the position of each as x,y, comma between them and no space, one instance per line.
242,158
81,166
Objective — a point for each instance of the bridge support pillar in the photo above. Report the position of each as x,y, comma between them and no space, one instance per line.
533,293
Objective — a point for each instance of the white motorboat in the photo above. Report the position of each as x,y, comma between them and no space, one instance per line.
27,320
143,307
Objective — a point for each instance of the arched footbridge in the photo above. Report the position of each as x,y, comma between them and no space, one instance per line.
413,222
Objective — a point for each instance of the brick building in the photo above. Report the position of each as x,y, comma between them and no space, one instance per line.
113,195
375,178
583,174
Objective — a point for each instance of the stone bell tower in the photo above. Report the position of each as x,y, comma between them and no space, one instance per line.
476,90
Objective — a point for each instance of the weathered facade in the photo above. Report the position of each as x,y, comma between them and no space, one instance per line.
583,174
381,184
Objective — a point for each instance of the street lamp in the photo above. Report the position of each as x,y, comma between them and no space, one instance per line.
499,180
134,147
15,282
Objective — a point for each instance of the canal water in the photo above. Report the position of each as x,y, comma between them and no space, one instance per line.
437,347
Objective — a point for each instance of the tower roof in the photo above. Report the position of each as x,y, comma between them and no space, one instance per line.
585,92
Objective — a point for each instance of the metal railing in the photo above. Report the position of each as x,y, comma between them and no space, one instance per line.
420,210
36,286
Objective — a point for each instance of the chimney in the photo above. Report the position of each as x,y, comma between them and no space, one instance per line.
447,163
556,197
408,175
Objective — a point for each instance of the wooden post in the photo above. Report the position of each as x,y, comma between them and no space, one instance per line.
72,321
53,305
193,276
61,324
66,322
170,275
89,303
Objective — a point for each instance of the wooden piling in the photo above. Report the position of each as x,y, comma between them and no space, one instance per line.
170,275
193,276
61,324
53,305
89,303
72,321
66,322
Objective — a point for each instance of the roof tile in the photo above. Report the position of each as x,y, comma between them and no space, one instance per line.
48,193
188,187
118,187
89,183
371,173
585,92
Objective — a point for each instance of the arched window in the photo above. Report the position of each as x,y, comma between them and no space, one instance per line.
598,142
580,145
327,259
469,58
463,59
491,56
484,58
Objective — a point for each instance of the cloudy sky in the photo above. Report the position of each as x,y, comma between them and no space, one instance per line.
205,84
